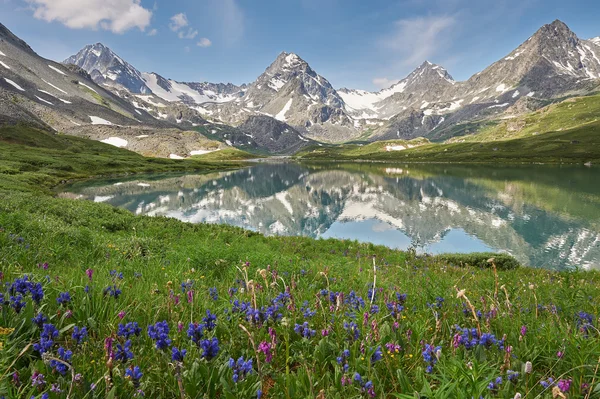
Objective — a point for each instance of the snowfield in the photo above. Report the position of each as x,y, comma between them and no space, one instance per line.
116,141
99,121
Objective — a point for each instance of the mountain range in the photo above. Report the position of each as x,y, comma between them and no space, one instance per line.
290,105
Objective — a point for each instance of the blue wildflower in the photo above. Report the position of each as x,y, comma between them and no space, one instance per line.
210,348
159,333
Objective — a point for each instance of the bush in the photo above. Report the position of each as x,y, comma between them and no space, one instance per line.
480,260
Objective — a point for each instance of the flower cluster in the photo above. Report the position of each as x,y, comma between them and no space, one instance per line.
241,368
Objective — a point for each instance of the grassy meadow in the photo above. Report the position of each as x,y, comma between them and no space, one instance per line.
99,303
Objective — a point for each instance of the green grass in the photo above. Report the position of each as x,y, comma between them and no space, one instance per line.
147,259
226,154
577,112
576,145
32,159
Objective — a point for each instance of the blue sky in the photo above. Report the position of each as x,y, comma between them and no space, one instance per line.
365,44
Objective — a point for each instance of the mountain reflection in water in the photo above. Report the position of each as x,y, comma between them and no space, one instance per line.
546,216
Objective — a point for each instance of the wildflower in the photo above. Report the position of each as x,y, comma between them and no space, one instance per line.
135,374
259,393
513,376
190,296
37,292
17,303
517,396
564,385
265,347
352,330
559,354
429,358
159,333
177,355
55,388
63,298
64,355
129,330
112,291
196,332
213,293
377,355
495,385
210,348
209,320
79,334
37,379
304,330
528,367
124,353
47,336
89,273
523,330
241,368
39,319
548,383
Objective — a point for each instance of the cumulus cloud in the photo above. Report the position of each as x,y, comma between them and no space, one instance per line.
117,16
418,39
189,34
204,42
384,83
178,21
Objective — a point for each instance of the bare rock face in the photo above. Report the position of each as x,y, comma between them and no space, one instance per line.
276,136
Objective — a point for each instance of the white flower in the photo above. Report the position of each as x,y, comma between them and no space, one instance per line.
517,396
528,368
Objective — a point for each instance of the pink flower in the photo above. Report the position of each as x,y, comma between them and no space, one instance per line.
265,347
325,332
180,326
559,354
89,273
523,330
190,296
121,314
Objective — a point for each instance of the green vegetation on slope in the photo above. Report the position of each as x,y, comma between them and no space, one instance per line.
32,159
302,310
226,154
577,145
571,113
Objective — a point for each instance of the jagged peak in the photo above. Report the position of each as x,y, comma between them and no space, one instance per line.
595,40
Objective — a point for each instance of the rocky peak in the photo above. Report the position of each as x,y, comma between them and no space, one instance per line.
595,40
106,67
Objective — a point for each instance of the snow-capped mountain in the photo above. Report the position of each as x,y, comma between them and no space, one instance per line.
552,63
290,91
106,67
427,83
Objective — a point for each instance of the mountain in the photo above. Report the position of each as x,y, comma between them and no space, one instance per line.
596,40
106,67
553,63
291,91
428,83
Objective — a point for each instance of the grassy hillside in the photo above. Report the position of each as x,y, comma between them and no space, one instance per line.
576,145
99,303
572,113
227,154
31,159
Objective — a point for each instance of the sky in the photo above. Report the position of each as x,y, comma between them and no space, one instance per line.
361,44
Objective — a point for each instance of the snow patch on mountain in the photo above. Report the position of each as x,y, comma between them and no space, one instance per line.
115,141
13,84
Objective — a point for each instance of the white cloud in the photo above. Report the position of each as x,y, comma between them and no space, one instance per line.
190,34
204,42
178,21
384,83
420,38
153,32
117,16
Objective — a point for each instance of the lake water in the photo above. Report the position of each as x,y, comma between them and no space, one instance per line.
546,216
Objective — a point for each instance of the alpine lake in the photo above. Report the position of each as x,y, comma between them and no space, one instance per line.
545,216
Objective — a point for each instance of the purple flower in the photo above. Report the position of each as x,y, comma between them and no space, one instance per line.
177,355
89,273
564,385
304,330
124,353
265,347
63,298
37,379
159,333
79,334
135,374
129,330
523,330
210,348
241,368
